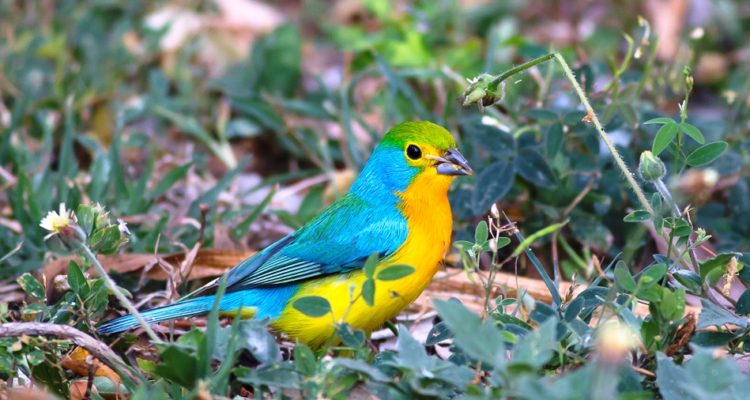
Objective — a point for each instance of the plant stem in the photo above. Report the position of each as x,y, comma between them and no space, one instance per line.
647,69
615,154
493,85
667,196
664,193
116,291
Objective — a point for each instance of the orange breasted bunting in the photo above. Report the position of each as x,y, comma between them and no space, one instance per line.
397,208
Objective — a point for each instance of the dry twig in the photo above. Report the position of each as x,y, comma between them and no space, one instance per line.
98,349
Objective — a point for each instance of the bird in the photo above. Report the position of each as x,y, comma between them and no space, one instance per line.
396,209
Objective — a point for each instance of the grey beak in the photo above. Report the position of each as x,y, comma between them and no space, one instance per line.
453,163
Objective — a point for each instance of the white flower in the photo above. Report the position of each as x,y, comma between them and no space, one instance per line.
123,227
55,222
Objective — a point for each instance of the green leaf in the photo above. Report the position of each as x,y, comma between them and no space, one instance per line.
659,120
51,376
681,228
664,137
712,338
651,293
368,291
541,114
411,353
573,309
394,272
399,85
656,202
210,196
554,139
481,233
311,204
703,376
370,264
85,218
256,339
169,179
693,132
31,286
556,299
105,240
241,229
706,154
304,359
689,279
480,340
492,184
714,315
502,241
312,306
177,366
438,333
534,168
652,274
743,303
281,54
76,280
277,376
537,347
349,336
672,304
623,278
718,261
363,368
637,216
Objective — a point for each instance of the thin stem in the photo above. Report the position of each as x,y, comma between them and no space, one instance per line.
493,85
677,153
667,196
116,291
647,69
488,291
683,117
603,134
664,193
545,85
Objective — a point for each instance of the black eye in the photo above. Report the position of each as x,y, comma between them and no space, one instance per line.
413,152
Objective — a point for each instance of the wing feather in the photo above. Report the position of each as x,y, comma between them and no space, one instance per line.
339,240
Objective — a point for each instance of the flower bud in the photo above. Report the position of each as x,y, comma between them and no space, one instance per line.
479,91
494,211
651,167
689,81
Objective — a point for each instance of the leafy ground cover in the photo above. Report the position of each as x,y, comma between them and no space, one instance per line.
611,151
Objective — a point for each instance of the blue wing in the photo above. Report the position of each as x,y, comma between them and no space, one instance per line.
339,240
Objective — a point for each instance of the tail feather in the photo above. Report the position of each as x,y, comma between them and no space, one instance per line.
269,303
188,308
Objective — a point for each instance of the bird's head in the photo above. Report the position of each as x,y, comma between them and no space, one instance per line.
410,150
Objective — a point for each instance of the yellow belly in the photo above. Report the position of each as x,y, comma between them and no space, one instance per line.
343,293
429,220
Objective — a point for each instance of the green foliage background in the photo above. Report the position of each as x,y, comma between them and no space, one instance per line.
93,109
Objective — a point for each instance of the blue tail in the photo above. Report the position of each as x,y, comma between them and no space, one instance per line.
269,302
